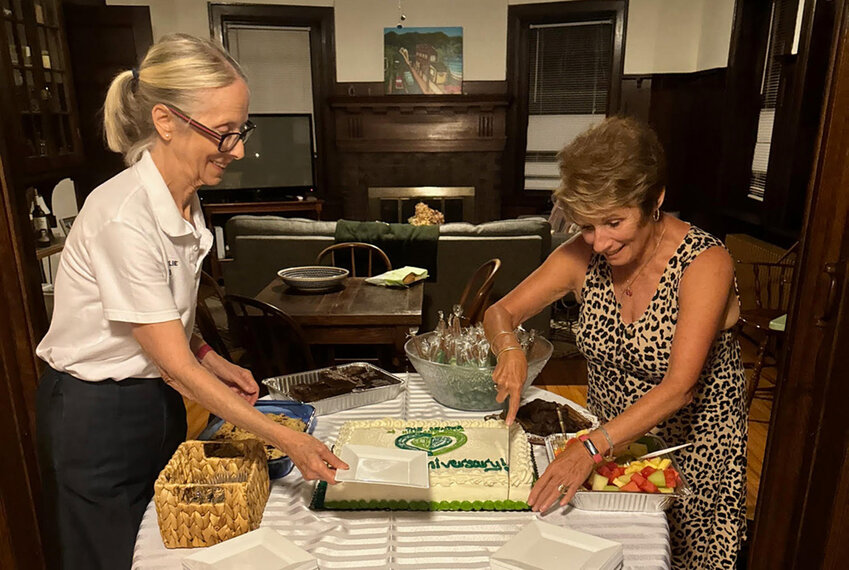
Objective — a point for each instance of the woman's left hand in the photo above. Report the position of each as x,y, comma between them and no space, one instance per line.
568,471
238,379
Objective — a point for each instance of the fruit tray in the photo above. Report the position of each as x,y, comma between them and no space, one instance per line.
626,501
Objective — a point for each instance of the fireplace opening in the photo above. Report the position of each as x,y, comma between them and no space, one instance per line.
397,204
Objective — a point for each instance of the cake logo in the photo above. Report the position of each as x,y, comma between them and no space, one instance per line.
435,441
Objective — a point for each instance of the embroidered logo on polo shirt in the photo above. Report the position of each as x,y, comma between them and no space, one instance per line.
172,263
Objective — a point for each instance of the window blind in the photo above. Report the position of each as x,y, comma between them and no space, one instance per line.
276,62
569,81
781,34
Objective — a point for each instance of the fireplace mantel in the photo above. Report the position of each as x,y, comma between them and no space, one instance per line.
420,123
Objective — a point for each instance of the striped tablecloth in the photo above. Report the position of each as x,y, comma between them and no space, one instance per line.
370,539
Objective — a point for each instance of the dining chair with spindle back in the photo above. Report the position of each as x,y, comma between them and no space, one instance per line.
353,248
274,342
771,284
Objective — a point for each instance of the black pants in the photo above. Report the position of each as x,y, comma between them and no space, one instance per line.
101,447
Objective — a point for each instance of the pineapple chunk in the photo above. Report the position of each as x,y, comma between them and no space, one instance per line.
622,480
664,463
666,490
633,469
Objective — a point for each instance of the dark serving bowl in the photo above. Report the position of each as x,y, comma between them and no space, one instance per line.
282,466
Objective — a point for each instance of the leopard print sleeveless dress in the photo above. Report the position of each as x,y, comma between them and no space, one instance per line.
627,360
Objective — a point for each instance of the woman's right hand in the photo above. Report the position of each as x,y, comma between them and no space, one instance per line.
311,457
509,377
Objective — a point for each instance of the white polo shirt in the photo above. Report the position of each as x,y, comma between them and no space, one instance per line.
130,258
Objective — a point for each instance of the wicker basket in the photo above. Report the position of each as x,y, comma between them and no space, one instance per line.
210,492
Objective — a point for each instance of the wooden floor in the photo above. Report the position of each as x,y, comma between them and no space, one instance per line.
568,377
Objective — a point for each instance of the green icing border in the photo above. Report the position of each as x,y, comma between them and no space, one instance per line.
318,503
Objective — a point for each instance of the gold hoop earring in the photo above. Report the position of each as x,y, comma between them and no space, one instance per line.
656,215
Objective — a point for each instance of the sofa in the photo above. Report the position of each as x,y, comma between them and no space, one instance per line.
259,246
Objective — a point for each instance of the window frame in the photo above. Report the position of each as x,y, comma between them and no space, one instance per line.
320,20
515,199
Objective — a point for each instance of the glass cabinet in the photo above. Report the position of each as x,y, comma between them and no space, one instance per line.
44,128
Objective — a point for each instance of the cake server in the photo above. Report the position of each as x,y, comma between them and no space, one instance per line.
664,451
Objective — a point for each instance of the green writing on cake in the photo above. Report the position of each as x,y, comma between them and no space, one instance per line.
435,441
484,464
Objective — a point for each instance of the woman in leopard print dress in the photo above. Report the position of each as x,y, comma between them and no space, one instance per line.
658,303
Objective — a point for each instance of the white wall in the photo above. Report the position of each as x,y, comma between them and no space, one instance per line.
663,36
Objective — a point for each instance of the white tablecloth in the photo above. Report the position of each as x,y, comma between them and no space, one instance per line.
380,539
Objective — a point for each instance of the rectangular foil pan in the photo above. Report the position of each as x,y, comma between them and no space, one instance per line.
278,387
623,500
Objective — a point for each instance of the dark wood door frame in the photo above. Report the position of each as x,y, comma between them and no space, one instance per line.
519,19
22,544
320,21
802,518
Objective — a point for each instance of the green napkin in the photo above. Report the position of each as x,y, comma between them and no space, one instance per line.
401,277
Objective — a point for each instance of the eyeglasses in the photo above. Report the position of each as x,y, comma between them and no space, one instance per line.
226,141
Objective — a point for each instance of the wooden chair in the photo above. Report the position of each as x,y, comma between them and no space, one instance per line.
357,251
771,283
215,331
475,297
274,342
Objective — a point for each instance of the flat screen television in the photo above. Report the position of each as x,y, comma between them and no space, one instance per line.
278,163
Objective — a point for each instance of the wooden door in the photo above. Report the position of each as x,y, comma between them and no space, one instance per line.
102,41
802,520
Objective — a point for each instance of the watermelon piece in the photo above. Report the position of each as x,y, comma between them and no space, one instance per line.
638,479
649,487
619,471
648,470
632,487
604,471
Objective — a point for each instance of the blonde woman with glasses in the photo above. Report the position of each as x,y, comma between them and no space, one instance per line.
120,349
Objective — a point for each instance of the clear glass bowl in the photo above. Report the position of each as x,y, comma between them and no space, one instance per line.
468,388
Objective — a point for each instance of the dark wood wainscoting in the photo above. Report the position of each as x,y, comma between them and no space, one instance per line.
686,110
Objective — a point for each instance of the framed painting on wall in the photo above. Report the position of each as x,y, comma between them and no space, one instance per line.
423,60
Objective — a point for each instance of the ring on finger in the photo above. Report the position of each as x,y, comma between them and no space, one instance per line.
563,488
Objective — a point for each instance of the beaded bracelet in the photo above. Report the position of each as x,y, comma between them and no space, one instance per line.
505,349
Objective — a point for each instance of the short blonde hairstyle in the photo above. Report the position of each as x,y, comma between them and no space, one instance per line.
617,163
174,72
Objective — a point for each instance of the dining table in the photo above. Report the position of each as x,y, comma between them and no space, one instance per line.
416,540
356,312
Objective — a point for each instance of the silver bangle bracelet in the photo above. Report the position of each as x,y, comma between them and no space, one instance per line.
609,440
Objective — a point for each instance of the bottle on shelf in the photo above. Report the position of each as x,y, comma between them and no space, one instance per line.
39,224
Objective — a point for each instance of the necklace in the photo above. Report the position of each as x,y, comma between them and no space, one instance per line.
627,290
